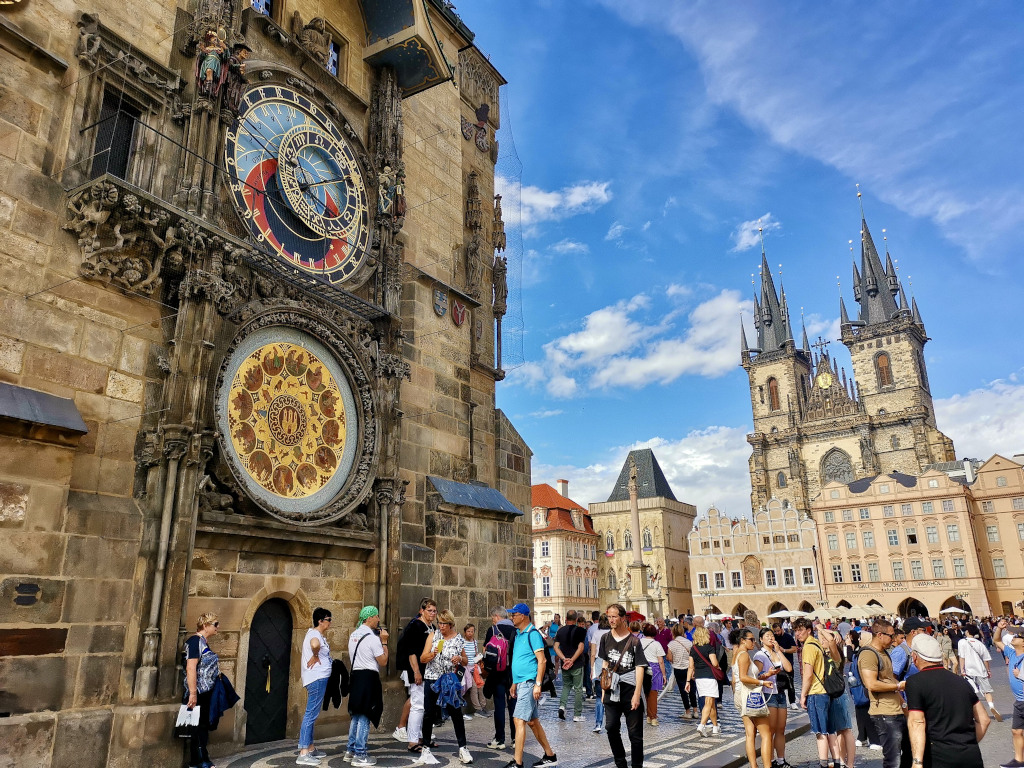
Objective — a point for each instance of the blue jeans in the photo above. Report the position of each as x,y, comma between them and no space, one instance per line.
599,706
358,733
314,700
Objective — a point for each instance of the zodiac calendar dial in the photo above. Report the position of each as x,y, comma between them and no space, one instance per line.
287,420
297,183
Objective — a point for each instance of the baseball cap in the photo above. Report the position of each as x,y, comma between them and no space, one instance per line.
927,647
915,623
522,608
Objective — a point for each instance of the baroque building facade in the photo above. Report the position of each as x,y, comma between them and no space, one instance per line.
248,356
665,523
564,554
952,537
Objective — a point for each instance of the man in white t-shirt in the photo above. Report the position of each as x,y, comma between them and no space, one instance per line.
315,670
367,650
974,665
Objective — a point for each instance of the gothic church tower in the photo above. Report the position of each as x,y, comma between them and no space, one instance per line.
812,423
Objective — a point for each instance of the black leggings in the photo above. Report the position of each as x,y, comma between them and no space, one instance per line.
197,743
431,712
865,727
689,698
613,712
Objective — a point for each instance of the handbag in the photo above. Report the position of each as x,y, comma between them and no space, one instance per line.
187,723
755,704
717,672
608,673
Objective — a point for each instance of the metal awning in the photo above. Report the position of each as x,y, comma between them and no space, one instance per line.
475,496
34,407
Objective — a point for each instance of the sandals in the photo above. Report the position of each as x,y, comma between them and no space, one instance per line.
416,748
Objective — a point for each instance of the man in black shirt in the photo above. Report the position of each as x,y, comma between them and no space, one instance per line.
569,647
623,656
946,720
784,680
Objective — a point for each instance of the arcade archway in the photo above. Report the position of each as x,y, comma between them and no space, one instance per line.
912,607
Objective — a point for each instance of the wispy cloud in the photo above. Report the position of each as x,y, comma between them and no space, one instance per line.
615,231
748,234
546,414
570,246
914,126
678,290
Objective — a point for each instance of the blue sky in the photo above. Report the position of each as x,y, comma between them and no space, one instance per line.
653,138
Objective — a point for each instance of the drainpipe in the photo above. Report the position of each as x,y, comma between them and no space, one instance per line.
821,593
175,443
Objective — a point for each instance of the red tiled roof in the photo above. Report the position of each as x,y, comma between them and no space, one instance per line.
543,495
559,511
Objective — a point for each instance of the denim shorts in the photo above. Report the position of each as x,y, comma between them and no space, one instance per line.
839,714
527,708
817,711
777,701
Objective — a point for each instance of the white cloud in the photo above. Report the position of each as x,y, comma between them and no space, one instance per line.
539,205
570,246
618,346
704,467
986,420
615,231
826,327
748,234
646,226
678,290
707,348
671,202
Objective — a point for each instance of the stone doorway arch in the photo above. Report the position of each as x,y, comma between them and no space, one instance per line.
912,607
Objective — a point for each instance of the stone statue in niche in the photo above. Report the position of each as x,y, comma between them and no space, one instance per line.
386,182
211,499
313,37
498,239
400,191
499,281
236,80
210,63
474,266
626,586
89,40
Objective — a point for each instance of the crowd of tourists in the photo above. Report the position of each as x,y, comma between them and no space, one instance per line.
917,690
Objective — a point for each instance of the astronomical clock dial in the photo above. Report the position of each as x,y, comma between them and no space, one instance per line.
823,380
288,422
297,183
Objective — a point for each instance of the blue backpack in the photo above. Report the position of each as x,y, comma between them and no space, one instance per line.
857,689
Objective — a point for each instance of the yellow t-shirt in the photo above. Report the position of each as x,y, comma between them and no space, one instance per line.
813,654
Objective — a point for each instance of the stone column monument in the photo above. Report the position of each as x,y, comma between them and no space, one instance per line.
639,600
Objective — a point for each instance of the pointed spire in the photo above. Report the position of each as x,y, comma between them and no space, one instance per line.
915,313
844,318
856,282
876,298
805,345
904,307
771,319
744,347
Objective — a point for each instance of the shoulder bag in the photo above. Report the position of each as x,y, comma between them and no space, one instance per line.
607,673
717,672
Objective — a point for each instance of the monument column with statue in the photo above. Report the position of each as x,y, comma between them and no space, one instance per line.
639,599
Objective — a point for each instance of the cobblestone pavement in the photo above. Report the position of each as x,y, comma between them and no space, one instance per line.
675,742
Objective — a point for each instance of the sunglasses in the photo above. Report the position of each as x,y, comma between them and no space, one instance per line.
329,618
216,624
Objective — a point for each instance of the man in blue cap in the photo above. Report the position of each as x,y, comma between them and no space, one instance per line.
529,660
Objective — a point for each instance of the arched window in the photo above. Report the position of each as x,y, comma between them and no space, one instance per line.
609,543
773,394
883,367
648,540
627,540
612,580
836,466
781,480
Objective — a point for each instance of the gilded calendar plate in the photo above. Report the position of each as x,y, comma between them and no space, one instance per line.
285,411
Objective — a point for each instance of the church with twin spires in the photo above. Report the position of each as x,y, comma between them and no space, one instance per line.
814,423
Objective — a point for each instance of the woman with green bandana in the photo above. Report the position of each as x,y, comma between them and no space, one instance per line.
367,650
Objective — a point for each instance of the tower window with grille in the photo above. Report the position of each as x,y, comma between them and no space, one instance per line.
883,367
781,480
115,134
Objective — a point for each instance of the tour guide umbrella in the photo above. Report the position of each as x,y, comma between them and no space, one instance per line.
634,616
951,609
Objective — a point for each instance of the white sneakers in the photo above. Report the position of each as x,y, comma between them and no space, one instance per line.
364,762
307,760
495,744
464,755
716,730
580,719
995,713
400,734
702,730
426,758
597,729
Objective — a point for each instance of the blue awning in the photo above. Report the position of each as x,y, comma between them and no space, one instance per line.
476,496
35,407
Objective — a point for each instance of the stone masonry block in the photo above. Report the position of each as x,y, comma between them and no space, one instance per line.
96,600
49,675
13,504
124,387
88,556
98,678
64,369
27,739
29,600
82,738
96,638
31,553
99,343
12,355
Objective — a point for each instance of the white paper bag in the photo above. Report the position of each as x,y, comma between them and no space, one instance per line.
187,716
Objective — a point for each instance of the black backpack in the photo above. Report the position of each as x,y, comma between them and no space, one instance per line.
832,681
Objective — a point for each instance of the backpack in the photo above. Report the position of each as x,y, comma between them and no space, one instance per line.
496,653
857,687
832,681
